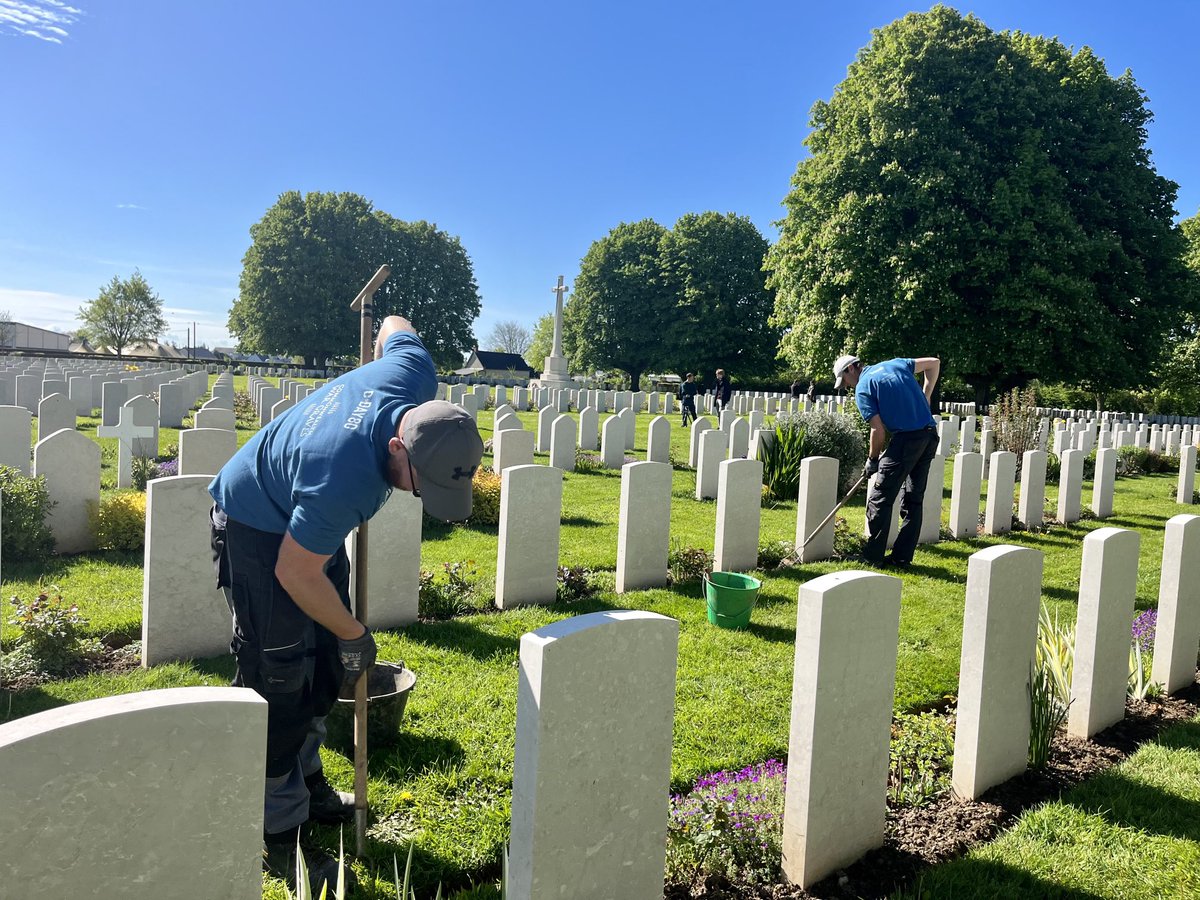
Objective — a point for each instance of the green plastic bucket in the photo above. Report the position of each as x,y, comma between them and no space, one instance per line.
731,597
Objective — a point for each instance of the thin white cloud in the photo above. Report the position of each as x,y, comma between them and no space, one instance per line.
41,19
124,205
43,309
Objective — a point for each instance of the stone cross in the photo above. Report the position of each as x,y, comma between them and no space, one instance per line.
559,290
126,433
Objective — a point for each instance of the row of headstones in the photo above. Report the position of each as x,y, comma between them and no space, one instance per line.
271,400
84,389
595,714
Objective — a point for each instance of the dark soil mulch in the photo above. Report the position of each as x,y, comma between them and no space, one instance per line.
116,654
947,827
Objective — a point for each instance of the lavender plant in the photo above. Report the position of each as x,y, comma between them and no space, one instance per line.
729,823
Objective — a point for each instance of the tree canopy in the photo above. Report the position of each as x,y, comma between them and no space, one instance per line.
984,197
712,266
309,257
125,312
619,307
541,341
1179,372
692,297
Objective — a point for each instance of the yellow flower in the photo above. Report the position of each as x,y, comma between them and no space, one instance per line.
406,797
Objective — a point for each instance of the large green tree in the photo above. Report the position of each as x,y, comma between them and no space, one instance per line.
311,254
712,266
125,312
984,197
620,309
541,341
1179,372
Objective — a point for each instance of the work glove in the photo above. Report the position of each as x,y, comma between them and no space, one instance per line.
357,655
871,466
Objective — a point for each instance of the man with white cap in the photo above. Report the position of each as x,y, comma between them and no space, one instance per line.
284,505
890,400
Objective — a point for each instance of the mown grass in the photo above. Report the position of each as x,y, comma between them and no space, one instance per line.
446,783
1131,833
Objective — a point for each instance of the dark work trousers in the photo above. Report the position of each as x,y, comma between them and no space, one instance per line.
688,408
289,659
903,467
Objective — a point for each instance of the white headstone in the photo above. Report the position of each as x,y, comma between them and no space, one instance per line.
70,463
817,497
713,447
393,561
127,434
991,742
1177,633
546,415
215,418
55,413
203,451
699,424
612,443
562,443
530,517
1187,475
998,513
1107,582
629,419
16,430
595,706
964,495
511,447
739,514
658,439
184,614
1033,488
172,405
127,795
1104,482
589,429
739,439
643,529
931,502
1070,486
847,630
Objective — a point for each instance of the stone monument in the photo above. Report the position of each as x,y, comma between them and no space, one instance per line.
555,374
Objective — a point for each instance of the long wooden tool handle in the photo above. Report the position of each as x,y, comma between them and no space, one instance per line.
833,512
363,304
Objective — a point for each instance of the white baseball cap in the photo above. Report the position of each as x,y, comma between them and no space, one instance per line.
839,368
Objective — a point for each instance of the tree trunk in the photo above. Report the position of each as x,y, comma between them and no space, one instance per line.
635,377
982,392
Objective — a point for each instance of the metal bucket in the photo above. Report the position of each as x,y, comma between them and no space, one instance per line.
388,687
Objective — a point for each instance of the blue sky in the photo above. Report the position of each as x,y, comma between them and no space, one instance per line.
153,133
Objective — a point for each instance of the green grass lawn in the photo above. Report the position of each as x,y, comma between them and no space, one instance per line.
446,784
1130,833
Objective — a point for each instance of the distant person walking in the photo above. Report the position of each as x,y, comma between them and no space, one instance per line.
687,398
812,392
722,392
888,397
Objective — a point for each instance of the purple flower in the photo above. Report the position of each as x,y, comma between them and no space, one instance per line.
1144,627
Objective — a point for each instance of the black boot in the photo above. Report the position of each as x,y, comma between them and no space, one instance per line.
325,805
279,859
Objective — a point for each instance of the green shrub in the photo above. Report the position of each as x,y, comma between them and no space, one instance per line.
452,593
243,410
821,433
781,459
687,563
485,493
23,530
772,553
119,522
142,468
922,758
52,633
1016,421
574,583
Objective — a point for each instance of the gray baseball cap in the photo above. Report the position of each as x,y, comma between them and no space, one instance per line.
445,448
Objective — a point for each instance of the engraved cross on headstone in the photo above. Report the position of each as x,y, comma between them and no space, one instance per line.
125,432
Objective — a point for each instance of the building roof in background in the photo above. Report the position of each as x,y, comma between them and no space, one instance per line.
492,359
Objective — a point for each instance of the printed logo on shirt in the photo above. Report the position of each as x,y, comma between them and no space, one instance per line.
360,410
327,406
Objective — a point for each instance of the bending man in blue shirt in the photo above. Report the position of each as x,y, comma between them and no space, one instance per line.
890,400
284,505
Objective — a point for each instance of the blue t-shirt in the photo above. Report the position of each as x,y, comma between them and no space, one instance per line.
320,469
890,390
